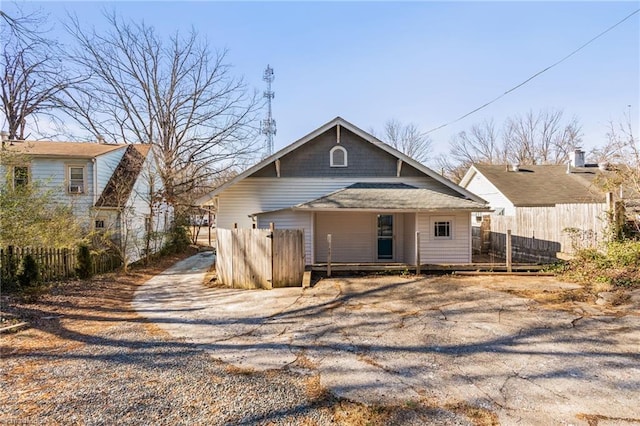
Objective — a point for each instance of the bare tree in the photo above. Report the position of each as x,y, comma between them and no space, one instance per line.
33,73
479,145
408,139
176,94
533,138
621,157
540,138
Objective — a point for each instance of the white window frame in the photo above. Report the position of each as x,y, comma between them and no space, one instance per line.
332,163
443,219
70,183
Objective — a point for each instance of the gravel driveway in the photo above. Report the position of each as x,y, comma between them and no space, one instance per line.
392,339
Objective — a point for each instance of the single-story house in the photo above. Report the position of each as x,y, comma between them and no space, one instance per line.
371,198
548,208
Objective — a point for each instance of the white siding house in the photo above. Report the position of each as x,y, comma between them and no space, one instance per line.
549,209
371,198
107,185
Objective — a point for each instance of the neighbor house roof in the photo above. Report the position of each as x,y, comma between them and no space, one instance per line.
356,130
61,149
389,196
542,185
120,185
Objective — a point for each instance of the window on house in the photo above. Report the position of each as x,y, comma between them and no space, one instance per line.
442,229
76,180
147,224
338,157
99,224
20,176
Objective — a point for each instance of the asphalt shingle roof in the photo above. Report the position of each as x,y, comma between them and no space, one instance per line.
120,185
61,149
545,185
389,196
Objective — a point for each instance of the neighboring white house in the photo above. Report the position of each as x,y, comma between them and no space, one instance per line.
111,187
548,208
371,198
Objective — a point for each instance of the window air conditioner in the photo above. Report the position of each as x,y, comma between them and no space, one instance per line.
75,189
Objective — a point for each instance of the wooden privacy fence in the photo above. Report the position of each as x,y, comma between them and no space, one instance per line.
54,264
260,258
539,233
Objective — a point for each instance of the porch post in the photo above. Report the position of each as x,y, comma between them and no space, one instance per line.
508,251
329,255
417,253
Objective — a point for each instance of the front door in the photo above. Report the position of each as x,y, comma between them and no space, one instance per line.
385,237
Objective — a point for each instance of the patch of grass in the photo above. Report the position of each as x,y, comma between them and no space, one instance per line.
232,369
594,419
478,415
356,414
556,298
303,361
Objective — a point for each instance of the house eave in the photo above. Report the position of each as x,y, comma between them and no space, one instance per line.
359,132
372,210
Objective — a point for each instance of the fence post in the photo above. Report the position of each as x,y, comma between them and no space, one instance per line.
417,253
11,266
329,255
272,229
508,250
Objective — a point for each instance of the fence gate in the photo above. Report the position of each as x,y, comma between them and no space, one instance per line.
260,258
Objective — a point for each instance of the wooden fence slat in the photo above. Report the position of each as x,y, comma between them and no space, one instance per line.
54,263
540,232
260,258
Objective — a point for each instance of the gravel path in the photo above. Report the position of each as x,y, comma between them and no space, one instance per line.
89,358
95,362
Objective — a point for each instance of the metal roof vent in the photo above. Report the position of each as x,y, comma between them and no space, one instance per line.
603,166
515,167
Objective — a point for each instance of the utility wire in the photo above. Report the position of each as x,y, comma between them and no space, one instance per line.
536,74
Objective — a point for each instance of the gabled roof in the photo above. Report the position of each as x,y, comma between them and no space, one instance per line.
541,185
389,196
120,185
61,149
359,132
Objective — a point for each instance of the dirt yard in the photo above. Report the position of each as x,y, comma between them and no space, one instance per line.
367,350
526,350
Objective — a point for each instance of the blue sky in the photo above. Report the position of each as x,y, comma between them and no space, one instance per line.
421,62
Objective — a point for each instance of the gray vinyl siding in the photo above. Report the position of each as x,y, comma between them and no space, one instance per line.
105,166
363,159
454,250
52,174
138,209
256,195
288,219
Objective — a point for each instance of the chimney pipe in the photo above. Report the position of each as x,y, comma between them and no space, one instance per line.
577,158
100,138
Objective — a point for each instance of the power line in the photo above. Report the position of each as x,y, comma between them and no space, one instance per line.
536,74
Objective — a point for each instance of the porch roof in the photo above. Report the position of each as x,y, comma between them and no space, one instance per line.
389,196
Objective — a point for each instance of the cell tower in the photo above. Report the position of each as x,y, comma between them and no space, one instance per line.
269,124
